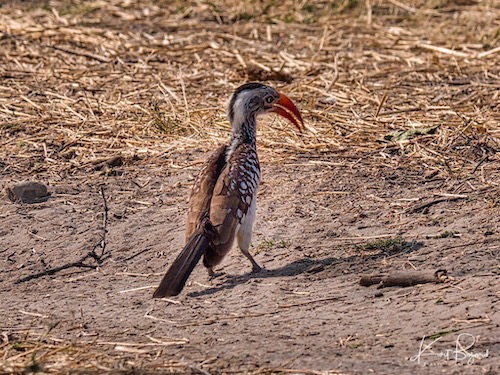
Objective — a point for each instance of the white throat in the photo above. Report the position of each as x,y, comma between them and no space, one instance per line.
243,122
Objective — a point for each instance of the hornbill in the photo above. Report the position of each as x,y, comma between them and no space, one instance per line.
223,199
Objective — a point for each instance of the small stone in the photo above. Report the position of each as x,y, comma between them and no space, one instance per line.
28,192
329,100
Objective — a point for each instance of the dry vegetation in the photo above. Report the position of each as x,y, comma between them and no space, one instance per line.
85,81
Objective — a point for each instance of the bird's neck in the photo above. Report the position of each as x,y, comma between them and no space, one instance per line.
244,131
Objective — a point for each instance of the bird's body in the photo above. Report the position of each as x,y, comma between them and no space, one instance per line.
223,201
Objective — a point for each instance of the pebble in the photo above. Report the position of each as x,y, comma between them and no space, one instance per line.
28,192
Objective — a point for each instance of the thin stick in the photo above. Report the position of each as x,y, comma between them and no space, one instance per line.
76,53
179,342
80,262
363,237
133,255
135,274
489,52
406,278
423,206
335,73
443,50
33,314
381,104
403,6
147,315
51,271
183,87
136,289
103,241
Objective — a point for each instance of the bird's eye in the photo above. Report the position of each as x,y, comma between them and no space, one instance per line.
269,99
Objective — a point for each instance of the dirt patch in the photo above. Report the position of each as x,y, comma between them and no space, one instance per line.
86,85
305,311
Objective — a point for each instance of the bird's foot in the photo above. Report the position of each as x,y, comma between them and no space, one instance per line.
213,275
256,268
210,272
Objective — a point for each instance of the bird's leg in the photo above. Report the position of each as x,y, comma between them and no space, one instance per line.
255,265
244,234
213,275
211,272
244,245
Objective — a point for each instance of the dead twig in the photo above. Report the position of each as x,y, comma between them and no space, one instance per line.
479,164
406,278
425,205
103,243
88,55
114,161
133,255
51,271
80,263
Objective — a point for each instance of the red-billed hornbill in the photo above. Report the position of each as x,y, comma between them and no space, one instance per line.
223,200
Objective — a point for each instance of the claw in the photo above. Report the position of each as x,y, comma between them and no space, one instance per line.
256,268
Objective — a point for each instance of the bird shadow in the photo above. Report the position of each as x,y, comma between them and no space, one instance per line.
305,265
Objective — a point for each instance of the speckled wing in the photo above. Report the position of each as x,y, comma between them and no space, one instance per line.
201,194
233,193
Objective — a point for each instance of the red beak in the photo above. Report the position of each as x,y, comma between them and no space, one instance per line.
285,107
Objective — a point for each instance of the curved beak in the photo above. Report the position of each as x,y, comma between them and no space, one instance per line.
285,107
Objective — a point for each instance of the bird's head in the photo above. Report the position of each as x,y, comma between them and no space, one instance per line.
253,99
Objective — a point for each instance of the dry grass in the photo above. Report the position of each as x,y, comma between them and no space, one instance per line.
85,81
50,355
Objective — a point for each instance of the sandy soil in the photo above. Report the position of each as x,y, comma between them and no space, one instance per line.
320,227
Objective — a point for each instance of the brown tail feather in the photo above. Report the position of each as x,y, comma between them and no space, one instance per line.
174,280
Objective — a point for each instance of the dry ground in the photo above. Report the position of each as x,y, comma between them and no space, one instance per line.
115,105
